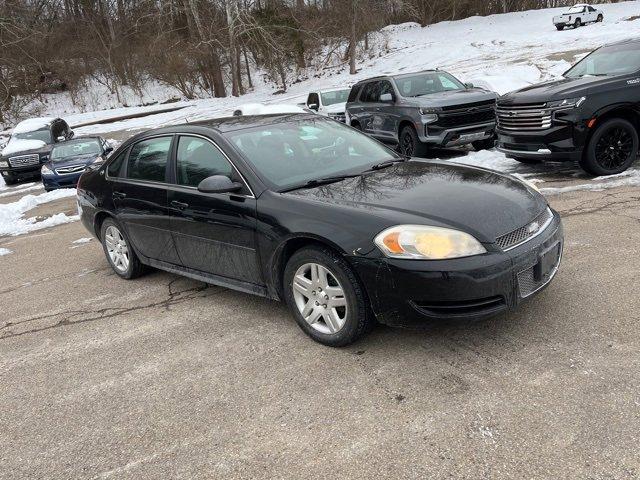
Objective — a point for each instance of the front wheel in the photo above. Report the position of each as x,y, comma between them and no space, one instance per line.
612,149
326,297
409,144
600,19
118,250
578,23
560,27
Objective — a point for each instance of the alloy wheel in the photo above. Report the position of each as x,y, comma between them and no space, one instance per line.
320,298
117,249
406,146
614,148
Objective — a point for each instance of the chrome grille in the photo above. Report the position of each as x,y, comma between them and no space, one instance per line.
532,116
523,234
24,160
69,170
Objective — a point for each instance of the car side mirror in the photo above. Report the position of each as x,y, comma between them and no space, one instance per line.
469,85
108,150
386,98
219,184
313,106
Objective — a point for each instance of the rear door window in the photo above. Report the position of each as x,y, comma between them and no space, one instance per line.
115,167
371,92
148,159
353,94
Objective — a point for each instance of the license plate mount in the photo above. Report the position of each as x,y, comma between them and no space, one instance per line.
547,262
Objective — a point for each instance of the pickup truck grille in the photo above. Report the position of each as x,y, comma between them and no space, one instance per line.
464,117
527,117
24,160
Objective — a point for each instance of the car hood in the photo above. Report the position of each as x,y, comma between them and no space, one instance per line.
336,108
453,97
481,202
19,145
557,90
76,160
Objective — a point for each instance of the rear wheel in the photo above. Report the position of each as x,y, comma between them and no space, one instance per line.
409,144
560,27
326,297
612,149
118,250
577,23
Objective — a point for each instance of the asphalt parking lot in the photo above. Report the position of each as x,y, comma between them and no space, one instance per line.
165,377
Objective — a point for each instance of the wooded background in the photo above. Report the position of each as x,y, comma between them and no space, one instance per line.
200,47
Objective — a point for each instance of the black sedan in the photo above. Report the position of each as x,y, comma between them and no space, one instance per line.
307,210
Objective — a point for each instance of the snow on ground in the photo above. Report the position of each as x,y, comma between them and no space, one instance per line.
5,251
80,242
13,222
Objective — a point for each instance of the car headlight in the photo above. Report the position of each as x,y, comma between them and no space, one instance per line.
4,163
427,243
567,103
429,114
46,170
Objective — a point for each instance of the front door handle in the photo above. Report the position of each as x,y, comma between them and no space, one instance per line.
179,205
119,195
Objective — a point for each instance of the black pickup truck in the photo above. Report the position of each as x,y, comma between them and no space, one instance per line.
591,116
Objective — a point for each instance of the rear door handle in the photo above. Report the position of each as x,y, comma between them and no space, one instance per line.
119,195
179,205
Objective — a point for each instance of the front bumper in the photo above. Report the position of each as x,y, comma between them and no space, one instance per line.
451,137
560,143
52,182
21,173
408,292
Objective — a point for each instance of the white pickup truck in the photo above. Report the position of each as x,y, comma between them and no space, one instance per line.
330,102
577,16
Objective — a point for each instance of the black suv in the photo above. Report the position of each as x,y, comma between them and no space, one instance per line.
418,110
29,147
591,116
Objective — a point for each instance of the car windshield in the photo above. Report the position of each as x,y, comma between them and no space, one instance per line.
291,153
427,83
612,60
75,148
337,96
43,135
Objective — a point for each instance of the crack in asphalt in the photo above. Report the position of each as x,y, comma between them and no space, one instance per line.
611,204
174,298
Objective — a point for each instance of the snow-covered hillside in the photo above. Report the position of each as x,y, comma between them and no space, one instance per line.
503,52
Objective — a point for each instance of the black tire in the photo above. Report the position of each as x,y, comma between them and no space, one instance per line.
357,126
560,27
409,144
600,18
486,144
135,267
358,319
577,23
612,149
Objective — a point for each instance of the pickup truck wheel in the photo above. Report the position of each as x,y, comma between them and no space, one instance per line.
600,19
577,23
357,126
612,149
409,144
560,27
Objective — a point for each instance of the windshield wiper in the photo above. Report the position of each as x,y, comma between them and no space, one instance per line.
388,163
321,181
